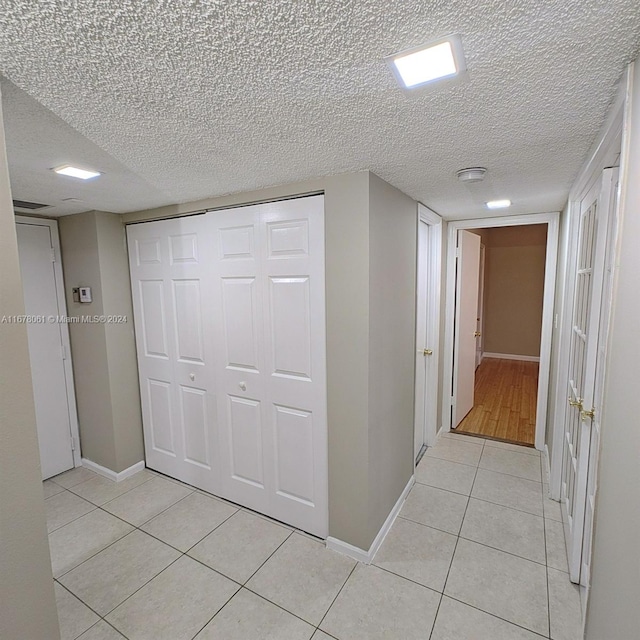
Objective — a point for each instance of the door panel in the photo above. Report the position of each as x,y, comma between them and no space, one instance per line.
583,364
46,352
231,337
466,323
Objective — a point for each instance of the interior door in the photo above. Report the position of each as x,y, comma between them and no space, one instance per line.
46,350
583,362
603,331
467,279
270,338
421,337
169,269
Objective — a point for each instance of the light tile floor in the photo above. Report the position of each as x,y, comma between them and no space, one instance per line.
477,553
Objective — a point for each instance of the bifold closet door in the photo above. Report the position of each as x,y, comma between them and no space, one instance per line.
270,343
170,269
230,331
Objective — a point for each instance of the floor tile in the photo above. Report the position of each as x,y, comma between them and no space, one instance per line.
101,631
419,553
506,529
75,542
100,490
146,501
111,576
511,463
456,451
240,545
303,577
458,621
74,617
63,508
552,509
189,520
377,605
248,616
443,474
564,607
436,508
175,605
73,477
508,446
50,488
556,546
509,491
504,585
321,635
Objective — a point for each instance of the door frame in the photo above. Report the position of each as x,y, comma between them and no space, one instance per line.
604,153
552,221
64,331
433,277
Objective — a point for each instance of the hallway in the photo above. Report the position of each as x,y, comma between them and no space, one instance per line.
504,407
477,554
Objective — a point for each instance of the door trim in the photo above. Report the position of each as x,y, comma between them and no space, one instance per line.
552,222
64,331
433,284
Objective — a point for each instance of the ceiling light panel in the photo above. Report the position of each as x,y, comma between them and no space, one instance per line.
498,204
439,60
75,172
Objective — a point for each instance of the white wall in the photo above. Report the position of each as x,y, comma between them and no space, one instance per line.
27,605
613,611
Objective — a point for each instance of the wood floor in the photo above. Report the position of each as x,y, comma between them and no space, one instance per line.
505,401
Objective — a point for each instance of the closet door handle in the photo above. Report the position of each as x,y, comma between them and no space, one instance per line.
243,386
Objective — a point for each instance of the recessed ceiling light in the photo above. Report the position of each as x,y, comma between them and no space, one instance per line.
498,204
442,59
74,172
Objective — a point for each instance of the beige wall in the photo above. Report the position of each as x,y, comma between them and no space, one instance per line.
393,221
613,612
27,605
105,368
370,228
514,288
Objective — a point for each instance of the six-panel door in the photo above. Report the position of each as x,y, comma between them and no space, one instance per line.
231,343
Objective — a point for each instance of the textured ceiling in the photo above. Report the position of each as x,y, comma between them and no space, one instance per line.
178,100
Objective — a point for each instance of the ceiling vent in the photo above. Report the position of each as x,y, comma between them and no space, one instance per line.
473,174
29,206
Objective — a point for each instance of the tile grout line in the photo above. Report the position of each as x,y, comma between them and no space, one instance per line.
326,613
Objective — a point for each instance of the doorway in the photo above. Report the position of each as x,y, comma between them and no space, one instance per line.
49,349
510,385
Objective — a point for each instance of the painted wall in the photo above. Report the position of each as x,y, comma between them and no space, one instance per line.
392,330
27,604
514,288
613,611
105,367
370,456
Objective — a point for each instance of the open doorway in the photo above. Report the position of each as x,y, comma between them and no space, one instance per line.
500,282
511,267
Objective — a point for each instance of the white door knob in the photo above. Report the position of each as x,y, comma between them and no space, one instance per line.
243,386
192,376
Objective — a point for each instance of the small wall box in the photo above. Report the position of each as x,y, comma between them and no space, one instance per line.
85,294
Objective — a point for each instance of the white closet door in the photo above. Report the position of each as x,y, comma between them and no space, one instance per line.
271,349
169,266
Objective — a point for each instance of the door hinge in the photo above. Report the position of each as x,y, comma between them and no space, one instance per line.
63,349
53,254
73,443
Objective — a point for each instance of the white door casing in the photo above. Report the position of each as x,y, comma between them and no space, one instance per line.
480,322
262,323
583,358
50,358
468,274
427,327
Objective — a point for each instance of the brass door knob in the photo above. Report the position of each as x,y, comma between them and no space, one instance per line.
428,352
576,403
584,414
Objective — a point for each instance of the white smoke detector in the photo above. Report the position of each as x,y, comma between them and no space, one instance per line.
473,174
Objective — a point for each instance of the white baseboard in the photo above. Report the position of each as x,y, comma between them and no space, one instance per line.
367,556
510,356
112,475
